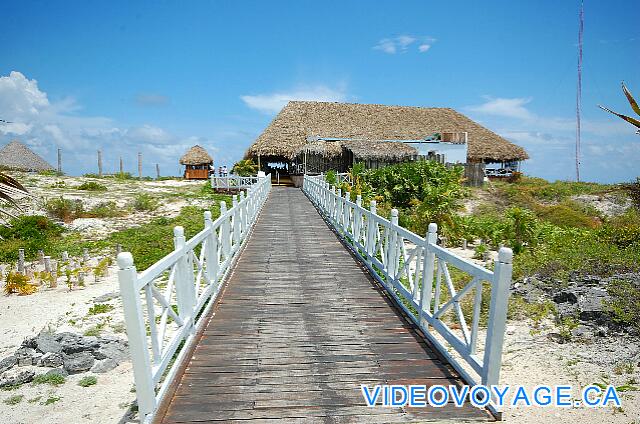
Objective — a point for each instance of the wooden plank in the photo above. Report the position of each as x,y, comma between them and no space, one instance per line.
298,328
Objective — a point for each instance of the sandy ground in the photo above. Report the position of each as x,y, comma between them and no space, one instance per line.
62,310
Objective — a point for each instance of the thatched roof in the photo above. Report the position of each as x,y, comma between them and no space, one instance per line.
196,156
19,157
361,149
287,134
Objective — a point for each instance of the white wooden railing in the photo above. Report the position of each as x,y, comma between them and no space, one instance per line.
166,304
416,272
234,182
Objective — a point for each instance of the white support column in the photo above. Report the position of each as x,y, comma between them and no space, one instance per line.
184,281
371,230
225,231
136,335
393,248
236,223
211,252
428,267
497,317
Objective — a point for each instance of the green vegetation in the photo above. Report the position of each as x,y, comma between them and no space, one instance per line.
91,186
145,202
63,209
624,305
52,379
13,400
30,232
18,283
100,308
245,168
50,400
88,381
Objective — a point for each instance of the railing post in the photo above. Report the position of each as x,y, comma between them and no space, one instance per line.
357,219
243,214
225,231
211,252
136,334
428,268
497,317
392,248
236,223
345,213
184,281
339,207
371,231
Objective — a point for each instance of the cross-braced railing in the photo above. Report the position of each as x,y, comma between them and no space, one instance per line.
165,304
451,299
232,182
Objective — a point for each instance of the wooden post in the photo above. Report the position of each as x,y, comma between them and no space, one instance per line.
139,165
85,255
41,257
121,166
59,160
157,171
65,256
21,261
81,278
100,163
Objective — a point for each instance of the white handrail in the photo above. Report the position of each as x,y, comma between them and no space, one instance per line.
232,182
415,271
187,280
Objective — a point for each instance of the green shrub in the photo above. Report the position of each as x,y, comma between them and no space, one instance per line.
91,175
105,210
624,305
145,202
100,308
49,173
566,214
91,186
52,379
245,168
87,381
63,209
13,400
331,177
29,232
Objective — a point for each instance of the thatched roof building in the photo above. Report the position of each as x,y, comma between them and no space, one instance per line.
196,156
287,135
197,163
17,156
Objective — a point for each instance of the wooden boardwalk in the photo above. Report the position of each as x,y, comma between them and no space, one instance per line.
298,328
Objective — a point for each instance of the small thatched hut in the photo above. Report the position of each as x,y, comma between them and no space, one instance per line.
198,163
16,156
317,136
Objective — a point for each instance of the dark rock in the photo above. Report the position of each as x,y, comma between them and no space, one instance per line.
106,297
565,297
52,360
57,371
582,332
75,343
27,356
116,351
8,363
78,362
104,365
46,342
29,342
16,377
556,337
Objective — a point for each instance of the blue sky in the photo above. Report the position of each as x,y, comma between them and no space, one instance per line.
158,77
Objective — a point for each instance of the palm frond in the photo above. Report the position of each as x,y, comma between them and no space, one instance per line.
629,119
632,101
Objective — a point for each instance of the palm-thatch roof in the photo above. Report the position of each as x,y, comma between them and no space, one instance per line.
288,132
17,156
196,156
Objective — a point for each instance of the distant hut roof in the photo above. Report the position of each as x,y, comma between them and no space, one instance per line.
17,156
196,156
287,134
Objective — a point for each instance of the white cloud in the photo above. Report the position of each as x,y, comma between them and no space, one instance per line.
402,43
272,103
45,125
504,107
550,141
